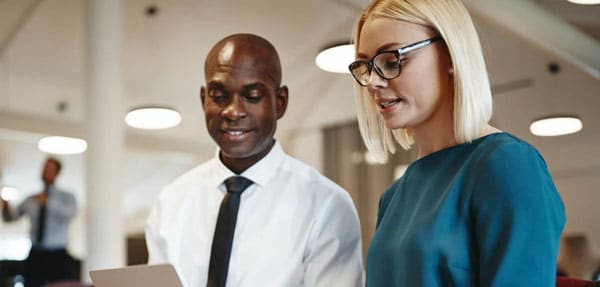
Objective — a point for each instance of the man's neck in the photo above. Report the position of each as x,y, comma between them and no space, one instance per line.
48,187
239,165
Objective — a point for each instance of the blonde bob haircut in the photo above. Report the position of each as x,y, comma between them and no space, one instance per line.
472,95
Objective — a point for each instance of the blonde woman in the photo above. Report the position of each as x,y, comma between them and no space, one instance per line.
478,207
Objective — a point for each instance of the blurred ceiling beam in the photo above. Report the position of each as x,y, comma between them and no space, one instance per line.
37,126
30,129
543,29
15,14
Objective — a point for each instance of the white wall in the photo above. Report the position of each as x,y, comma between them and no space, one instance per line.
581,196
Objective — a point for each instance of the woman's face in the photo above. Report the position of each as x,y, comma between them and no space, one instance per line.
422,94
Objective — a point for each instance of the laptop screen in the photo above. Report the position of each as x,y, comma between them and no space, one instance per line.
137,276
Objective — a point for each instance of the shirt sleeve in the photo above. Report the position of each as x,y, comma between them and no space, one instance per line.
154,242
518,218
8,214
334,256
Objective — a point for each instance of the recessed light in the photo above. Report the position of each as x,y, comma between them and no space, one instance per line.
62,145
9,193
585,2
153,118
556,126
336,58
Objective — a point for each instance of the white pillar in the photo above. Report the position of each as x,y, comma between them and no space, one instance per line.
105,241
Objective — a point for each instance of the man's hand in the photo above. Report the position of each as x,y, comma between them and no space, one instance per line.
41,198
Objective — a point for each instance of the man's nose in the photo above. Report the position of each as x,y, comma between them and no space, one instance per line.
235,109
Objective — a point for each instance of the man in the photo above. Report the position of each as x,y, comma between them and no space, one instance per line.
294,226
49,212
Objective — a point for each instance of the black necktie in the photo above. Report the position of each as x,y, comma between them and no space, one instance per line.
41,221
223,238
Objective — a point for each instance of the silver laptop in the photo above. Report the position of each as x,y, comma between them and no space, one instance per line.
137,276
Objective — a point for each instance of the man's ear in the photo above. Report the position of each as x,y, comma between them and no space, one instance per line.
202,95
281,101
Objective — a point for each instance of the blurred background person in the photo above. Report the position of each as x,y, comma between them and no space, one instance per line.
50,213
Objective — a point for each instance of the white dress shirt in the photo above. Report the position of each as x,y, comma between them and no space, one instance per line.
295,227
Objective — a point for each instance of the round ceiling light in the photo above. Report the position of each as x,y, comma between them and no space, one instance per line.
555,126
153,118
585,2
336,58
9,193
62,145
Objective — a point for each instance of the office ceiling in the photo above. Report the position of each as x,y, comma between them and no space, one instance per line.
42,78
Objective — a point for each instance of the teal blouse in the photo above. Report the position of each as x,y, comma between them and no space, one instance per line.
484,213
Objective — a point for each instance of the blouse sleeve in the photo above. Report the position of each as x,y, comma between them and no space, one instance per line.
518,218
384,200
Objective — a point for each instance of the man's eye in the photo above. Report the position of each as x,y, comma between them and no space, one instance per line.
254,94
216,94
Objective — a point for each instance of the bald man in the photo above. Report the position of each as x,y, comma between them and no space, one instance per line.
294,226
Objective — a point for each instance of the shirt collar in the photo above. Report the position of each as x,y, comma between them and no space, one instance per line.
260,173
51,189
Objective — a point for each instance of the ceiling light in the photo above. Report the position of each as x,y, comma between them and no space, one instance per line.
153,118
336,58
148,115
62,145
585,2
555,126
9,193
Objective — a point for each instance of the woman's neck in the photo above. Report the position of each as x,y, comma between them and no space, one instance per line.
442,136
430,142
435,134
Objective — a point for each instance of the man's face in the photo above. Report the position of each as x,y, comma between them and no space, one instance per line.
242,104
50,172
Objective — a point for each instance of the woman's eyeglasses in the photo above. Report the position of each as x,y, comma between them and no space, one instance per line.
387,64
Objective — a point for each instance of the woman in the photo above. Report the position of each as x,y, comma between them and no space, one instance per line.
478,207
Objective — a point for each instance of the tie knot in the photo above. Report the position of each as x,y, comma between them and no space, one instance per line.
237,184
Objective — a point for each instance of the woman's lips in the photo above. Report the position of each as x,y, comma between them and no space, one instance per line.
386,107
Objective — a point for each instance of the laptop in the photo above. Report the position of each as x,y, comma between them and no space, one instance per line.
160,275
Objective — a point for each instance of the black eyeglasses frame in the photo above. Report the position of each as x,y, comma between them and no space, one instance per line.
397,52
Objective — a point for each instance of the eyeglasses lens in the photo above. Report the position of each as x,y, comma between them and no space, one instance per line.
360,71
388,65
